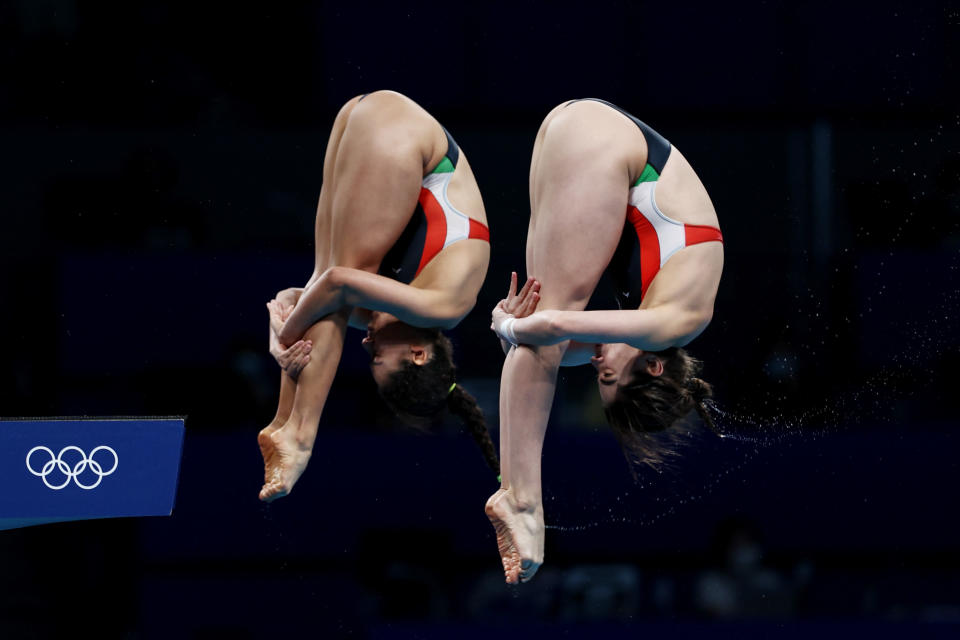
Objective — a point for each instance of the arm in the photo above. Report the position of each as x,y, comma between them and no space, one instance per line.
650,329
341,287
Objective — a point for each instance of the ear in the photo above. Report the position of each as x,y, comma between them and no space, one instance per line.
654,366
418,355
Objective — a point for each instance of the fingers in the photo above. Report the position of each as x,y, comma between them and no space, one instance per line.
529,304
528,298
532,304
297,355
275,310
298,366
513,285
526,286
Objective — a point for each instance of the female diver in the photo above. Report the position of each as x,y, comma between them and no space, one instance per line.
606,192
402,249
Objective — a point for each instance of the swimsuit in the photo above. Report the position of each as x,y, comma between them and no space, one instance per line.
435,223
650,238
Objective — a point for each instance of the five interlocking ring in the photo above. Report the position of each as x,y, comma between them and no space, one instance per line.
72,473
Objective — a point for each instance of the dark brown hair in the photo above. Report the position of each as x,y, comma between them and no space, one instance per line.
423,391
644,410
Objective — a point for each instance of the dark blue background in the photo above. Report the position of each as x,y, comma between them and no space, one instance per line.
159,175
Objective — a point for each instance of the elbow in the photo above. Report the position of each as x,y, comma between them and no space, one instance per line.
693,324
701,320
455,314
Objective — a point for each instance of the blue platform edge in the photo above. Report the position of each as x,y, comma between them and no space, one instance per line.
58,469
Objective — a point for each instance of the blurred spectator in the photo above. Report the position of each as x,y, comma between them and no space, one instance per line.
743,587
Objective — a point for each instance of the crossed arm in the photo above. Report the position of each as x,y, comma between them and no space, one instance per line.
340,287
649,329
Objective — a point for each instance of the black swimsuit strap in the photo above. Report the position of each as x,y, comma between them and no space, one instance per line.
453,151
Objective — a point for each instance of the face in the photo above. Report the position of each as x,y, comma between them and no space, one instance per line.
389,343
616,365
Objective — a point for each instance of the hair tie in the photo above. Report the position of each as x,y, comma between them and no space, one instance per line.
452,387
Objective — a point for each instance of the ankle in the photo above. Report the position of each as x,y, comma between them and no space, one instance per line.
296,434
526,501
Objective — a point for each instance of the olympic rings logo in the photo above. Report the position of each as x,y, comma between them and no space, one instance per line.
73,472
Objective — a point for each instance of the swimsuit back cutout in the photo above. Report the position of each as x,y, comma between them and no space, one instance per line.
649,237
434,225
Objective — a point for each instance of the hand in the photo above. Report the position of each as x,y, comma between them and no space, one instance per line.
515,305
498,316
288,297
294,359
522,304
291,359
279,312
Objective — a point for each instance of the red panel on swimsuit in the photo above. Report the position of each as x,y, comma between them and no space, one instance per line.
436,228
478,231
697,233
650,243
649,247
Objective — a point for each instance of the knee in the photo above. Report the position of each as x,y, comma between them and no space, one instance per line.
547,356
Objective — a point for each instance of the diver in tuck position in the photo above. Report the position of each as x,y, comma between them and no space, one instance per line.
607,192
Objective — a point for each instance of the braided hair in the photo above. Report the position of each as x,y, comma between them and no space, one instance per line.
645,409
425,391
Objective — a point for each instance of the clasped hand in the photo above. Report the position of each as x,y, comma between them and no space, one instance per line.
294,358
516,305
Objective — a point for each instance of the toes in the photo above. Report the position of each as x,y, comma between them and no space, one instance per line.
272,491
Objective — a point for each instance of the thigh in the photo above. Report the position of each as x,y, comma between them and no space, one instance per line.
322,225
379,168
579,185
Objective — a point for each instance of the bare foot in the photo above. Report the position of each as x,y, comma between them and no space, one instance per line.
519,535
284,461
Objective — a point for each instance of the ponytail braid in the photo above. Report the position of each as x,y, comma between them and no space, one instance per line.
464,406
424,391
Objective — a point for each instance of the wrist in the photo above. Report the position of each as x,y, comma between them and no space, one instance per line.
507,331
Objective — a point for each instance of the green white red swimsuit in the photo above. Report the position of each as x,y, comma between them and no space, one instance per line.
434,225
650,238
